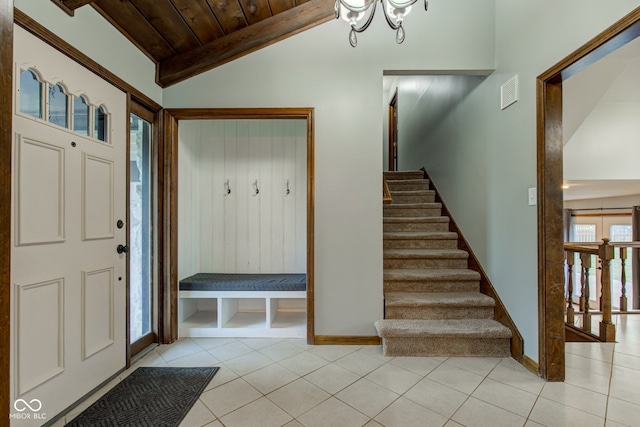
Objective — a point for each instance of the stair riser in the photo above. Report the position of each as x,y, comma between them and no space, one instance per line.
399,263
431,286
416,185
438,312
416,226
389,212
422,198
404,175
420,244
446,346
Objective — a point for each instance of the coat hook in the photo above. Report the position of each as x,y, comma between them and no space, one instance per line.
255,184
226,184
288,191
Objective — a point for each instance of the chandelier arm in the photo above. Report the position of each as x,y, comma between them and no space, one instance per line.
402,4
405,5
392,24
358,9
368,21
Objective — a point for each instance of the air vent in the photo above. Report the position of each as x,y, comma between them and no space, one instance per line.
509,92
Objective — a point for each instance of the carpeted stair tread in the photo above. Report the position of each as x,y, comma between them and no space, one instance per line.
408,185
412,192
425,254
391,175
432,205
412,196
420,235
403,180
414,219
431,299
431,274
456,328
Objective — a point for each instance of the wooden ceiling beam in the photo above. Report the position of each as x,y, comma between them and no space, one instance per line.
244,41
124,16
69,6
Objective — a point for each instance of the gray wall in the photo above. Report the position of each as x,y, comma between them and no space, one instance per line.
318,68
483,159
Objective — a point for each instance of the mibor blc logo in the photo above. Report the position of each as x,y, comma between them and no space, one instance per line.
28,410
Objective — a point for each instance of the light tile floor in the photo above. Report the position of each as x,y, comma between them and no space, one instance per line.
280,382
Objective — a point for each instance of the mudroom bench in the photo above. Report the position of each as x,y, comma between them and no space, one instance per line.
243,305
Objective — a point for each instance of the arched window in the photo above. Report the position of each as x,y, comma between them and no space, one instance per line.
101,124
30,94
81,116
58,106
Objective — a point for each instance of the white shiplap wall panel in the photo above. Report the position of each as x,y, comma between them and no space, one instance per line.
242,232
289,200
298,189
266,212
204,192
188,152
231,202
276,195
215,158
253,220
242,201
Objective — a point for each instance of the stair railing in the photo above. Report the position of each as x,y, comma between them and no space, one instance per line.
386,194
604,253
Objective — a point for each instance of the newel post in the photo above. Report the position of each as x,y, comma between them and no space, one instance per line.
607,328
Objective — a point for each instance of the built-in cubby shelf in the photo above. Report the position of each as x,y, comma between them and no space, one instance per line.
242,314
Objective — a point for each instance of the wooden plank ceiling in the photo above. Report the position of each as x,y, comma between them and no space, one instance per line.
187,37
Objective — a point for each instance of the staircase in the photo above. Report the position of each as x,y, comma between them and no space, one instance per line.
433,304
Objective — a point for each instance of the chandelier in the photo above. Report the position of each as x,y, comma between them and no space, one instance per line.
394,13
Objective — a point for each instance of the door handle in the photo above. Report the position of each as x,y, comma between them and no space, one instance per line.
122,249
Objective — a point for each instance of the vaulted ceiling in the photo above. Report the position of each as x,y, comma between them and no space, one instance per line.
187,37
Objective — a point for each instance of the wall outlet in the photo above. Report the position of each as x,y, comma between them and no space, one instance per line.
533,197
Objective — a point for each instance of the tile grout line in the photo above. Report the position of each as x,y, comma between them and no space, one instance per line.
606,408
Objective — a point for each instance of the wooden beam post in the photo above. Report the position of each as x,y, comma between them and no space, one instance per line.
69,6
6,132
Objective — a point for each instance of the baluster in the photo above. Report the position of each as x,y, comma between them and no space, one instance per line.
607,329
570,310
623,280
582,282
585,261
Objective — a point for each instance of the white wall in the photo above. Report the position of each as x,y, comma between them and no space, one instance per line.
94,36
242,231
318,68
483,159
605,143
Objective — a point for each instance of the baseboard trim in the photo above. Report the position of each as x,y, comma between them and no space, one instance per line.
530,364
486,287
346,340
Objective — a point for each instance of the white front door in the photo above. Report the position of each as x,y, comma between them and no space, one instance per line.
68,281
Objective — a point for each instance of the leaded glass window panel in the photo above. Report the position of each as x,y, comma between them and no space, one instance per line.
81,116
101,124
58,106
30,94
